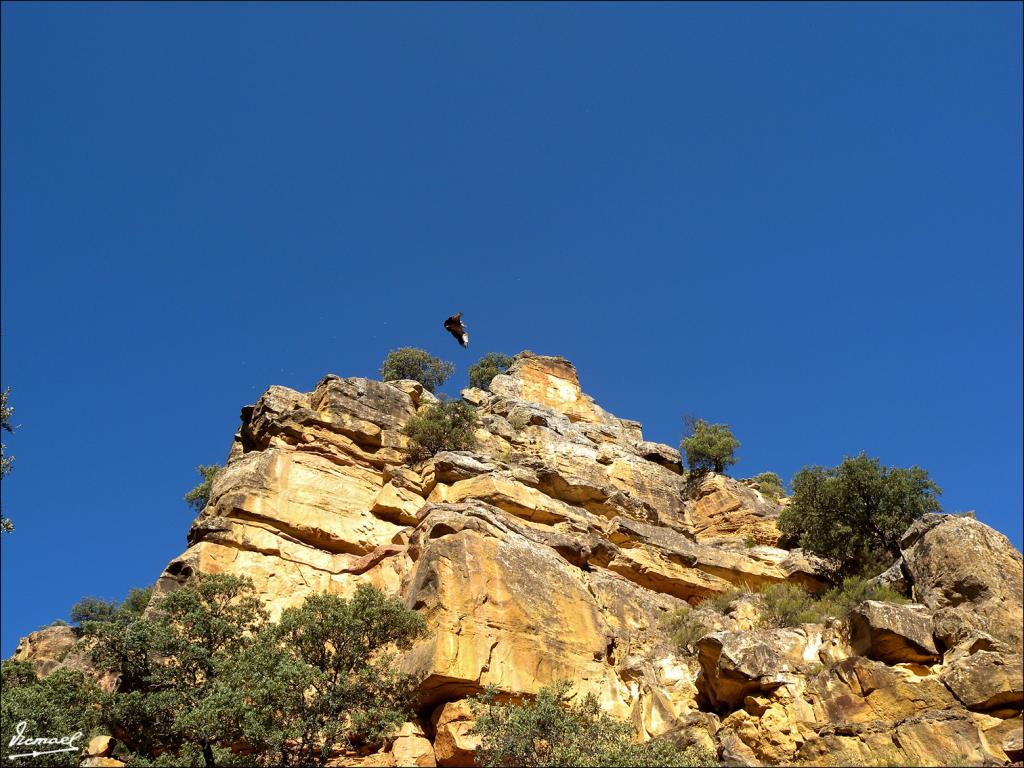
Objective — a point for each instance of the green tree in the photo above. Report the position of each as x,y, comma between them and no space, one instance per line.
92,609
487,367
62,704
325,677
853,515
205,669
554,731
96,609
135,603
770,484
169,663
6,462
709,447
447,425
418,365
199,496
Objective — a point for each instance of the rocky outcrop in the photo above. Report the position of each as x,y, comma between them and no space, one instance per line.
60,647
47,649
956,562
893,633
557,548
723,509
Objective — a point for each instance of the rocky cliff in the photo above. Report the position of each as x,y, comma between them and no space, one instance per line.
556,548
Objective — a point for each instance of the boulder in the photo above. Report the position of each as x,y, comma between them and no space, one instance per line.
100,746
958,561
893,633
47,648
987,681
454,744
411,747
735,665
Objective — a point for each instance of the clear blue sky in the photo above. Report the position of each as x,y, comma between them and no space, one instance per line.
802,220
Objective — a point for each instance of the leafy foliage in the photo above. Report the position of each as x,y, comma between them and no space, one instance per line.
205,668
169,663
324,677
447,425
199,496
418,365
135,603
709,447
770,484
92,609
853,515
780,605
6,462
855,590
685,628
787,605
62,704
518,420
554,731
487,367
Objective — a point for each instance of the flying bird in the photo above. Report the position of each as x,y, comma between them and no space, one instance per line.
455,327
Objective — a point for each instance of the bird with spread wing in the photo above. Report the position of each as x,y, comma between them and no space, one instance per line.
455,327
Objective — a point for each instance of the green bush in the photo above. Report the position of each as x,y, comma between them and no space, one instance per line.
788,605
135,603
710,447
780,605
684,628
855,590
770,484
199,496
853,515
418,365
723,601
519,420
487,367
62,704
552,730
92,609
206,669
447,425
321,679
95,609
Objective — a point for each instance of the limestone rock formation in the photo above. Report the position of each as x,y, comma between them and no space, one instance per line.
57,647
955,561
557,548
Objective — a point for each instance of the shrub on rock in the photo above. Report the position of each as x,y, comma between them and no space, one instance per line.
854,515
447,425
709,447
418,365
487,367
552,730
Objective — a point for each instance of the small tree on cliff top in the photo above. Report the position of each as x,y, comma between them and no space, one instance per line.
853,515
709,447
418,365
487,367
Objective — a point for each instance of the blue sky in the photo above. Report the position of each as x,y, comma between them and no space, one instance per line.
801,220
